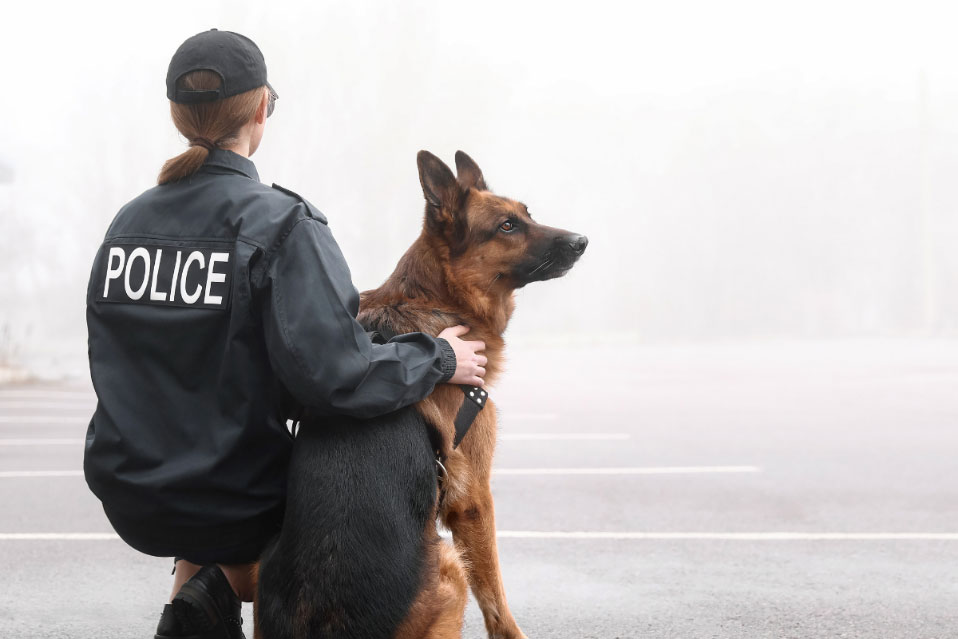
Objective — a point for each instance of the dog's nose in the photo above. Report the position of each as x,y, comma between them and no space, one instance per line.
578,243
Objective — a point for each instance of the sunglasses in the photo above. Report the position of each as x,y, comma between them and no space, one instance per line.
271,105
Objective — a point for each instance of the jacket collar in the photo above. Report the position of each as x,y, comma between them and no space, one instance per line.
220,159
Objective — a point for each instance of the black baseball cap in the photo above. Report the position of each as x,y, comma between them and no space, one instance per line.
234,57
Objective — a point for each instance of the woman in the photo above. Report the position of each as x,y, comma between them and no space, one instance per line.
218,308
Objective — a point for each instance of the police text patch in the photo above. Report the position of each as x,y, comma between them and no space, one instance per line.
165,275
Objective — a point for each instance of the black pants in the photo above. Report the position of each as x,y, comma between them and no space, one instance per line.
235,543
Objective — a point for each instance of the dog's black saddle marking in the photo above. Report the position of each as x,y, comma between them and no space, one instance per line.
476,398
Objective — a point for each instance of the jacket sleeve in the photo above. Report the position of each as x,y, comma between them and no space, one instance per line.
319,350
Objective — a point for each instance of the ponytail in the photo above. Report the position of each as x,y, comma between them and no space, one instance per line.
207,125
183,165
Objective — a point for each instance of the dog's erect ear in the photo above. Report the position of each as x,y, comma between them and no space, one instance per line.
438,183
470,175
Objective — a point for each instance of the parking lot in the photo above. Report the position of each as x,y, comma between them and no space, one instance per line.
730,490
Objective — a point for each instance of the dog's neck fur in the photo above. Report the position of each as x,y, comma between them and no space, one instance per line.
425,273
423,281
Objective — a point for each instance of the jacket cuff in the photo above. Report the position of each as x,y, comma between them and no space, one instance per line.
448,361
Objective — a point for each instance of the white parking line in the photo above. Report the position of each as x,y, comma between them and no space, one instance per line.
16,474
602,535
47,441
46,419
54,395
47,405
646,470
562,436
58,536
734,536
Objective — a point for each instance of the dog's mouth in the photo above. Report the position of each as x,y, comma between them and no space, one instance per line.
553,264
551,268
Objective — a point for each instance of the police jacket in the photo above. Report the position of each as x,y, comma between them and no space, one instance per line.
217,306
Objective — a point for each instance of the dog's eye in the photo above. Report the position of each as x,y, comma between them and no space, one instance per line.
507,227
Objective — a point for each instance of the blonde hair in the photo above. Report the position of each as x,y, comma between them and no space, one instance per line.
218,123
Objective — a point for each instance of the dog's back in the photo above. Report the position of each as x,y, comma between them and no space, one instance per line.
351,556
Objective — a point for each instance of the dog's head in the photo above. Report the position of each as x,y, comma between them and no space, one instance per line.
492,241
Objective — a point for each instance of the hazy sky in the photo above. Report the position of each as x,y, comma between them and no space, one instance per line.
742,169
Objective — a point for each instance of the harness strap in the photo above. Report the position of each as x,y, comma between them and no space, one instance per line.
475,401
475,398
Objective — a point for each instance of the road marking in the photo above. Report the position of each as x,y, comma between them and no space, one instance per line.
58,536
45,405
592,535
14,474
46,419
561,436
647,470
733,536
45,394
48,441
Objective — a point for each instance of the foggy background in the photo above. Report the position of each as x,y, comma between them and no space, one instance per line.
735,417
743,170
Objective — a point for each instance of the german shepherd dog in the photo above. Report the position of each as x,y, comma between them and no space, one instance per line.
359,555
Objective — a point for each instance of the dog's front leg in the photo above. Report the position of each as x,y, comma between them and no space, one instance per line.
471,519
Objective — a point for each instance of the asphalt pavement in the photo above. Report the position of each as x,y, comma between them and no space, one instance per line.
753,489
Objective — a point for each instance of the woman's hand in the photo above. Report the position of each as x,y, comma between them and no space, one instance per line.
470,362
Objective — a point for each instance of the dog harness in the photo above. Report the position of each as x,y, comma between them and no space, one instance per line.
475,399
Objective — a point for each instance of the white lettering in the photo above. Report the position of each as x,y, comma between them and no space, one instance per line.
154,295
215,277
176,271
195,256
138,293
113,272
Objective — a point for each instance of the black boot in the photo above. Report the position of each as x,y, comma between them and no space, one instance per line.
169,627
207,608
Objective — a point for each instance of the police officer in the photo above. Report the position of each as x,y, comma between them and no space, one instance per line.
217,307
